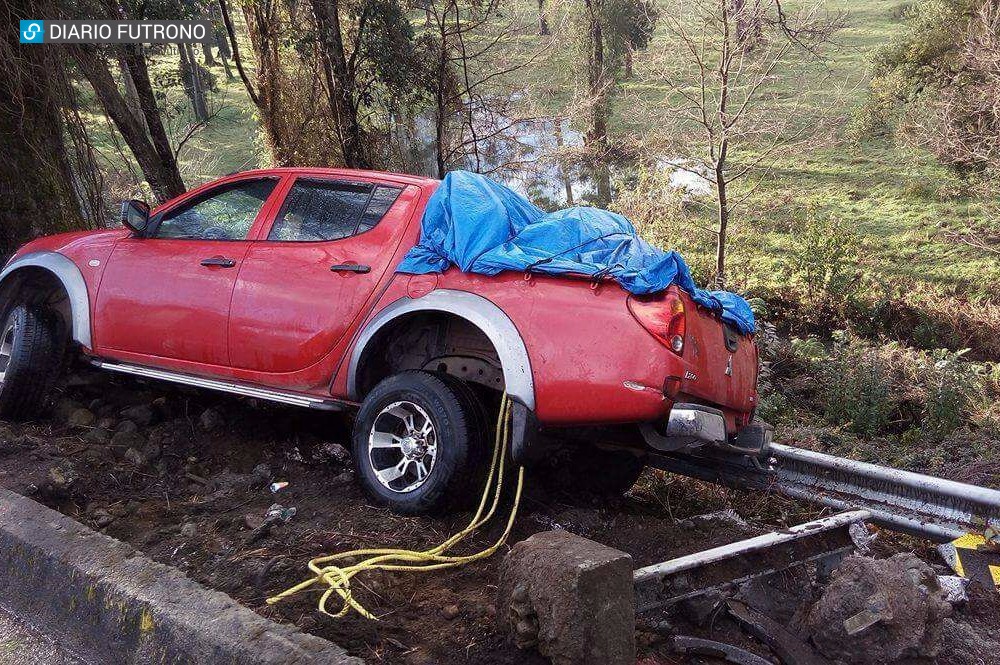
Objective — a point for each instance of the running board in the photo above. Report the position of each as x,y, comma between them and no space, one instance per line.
295,399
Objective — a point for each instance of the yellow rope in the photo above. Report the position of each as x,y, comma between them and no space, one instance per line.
338,577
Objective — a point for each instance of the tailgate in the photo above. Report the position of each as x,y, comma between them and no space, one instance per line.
721,364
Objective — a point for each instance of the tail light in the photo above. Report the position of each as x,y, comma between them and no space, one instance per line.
663,317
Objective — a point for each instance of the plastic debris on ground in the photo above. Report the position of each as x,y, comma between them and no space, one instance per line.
278,513
483,227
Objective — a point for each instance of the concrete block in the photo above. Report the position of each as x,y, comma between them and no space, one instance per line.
569,597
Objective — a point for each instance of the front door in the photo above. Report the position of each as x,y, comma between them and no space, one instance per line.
300,290
167,295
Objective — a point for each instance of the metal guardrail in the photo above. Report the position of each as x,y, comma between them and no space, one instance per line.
823,540
921,505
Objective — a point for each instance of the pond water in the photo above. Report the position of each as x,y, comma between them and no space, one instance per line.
544,159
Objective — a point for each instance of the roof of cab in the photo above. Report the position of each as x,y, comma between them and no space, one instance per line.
344,173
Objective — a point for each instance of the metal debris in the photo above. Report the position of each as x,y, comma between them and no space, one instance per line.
823,540
278,513
914,503
788,646
697,646
956,588
877,610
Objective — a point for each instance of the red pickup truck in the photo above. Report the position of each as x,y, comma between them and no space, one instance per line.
280,284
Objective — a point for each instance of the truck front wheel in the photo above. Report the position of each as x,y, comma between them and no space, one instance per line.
416,443
29,360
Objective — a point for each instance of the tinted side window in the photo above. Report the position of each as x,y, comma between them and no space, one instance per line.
224,213
322,210
382,199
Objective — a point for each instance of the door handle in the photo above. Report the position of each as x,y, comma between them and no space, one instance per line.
218,262
350,267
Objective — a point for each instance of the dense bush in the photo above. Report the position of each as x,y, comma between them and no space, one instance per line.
821,260
890,390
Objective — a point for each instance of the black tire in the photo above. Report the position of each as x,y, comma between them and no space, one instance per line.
585,471
457,434
29,360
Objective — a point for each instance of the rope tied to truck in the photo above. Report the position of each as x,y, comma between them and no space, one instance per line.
331,571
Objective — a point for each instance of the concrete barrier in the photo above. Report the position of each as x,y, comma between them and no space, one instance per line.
126,608
570,598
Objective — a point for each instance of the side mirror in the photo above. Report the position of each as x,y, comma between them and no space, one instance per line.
135,215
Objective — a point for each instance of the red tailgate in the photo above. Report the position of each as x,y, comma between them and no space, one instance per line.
719,373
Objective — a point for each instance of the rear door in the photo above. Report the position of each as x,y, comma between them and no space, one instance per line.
300,290
721,364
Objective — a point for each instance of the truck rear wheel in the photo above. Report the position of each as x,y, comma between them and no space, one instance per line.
417,443
28,361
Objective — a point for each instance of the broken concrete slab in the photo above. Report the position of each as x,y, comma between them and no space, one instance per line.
570,597
103,593
879,611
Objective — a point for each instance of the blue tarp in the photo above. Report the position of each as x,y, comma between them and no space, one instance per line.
483,227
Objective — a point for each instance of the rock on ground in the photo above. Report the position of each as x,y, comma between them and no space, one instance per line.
211,420
899,597
571,597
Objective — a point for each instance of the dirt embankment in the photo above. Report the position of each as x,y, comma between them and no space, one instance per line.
183,476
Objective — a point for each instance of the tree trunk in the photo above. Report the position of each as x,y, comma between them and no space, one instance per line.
163,176
234,46
193,85
748,21
543,25
563,173
723,216
131,93
341,84
206,49
596,83
602,176
442,105
36,180
725,62
225,65
720,245
170,174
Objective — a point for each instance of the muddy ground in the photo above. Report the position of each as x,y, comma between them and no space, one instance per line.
183,476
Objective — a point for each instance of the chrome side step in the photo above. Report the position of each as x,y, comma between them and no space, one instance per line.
295,399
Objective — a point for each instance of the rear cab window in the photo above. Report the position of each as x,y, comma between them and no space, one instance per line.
316,210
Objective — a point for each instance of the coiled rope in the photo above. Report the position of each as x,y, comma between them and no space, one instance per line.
337,577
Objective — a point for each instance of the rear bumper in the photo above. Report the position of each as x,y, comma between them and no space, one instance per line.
696,425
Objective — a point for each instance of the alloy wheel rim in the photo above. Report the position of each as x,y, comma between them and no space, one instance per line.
402,447
6,348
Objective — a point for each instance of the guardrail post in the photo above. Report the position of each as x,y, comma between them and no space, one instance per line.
571,598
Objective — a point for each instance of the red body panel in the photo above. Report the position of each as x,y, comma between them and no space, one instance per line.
292,326
158,300
282,319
